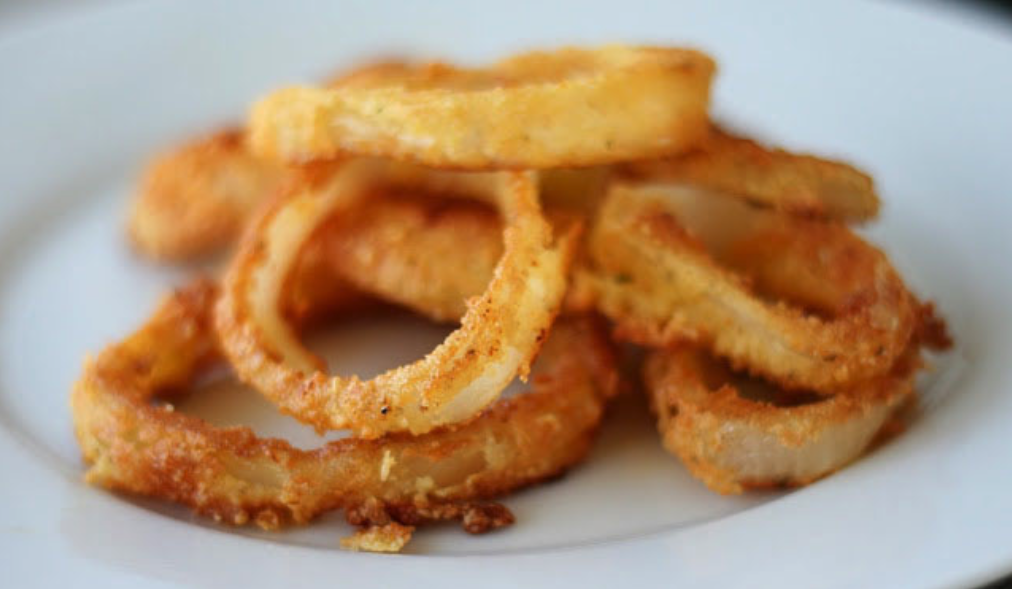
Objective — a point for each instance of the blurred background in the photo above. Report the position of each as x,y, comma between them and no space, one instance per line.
11,10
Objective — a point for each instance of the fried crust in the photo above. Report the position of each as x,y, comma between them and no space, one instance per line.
398,247
498,337
732,443
567,108
805,304
135,445
195,199
793,183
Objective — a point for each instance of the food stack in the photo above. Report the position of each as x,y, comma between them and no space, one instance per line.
551,204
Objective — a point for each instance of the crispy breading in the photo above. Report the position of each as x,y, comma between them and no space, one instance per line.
476,517
571,107
389,537
789,182
734,435
231,475
400,249
195,199
806,304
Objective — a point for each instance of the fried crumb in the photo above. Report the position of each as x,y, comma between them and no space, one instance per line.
389,538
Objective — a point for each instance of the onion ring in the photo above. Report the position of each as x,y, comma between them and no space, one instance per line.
196,198
793,183
775,439
672,263
570,107
233,476
498,337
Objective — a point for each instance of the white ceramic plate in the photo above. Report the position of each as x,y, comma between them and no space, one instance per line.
920,98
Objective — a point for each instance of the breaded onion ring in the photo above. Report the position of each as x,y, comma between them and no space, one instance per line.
733,442
672,263
572,107
498,337
793,183
137,446
195,199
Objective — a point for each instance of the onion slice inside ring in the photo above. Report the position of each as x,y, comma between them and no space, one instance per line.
499,335
806,304
733,443
571,107
137,445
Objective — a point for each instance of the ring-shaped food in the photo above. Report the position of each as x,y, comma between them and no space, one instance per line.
135,444
571,107
806,304
498,338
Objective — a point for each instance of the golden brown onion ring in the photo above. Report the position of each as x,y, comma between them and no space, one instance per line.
571,107
793,183
498,337
195,199
672,263
732,442
138,446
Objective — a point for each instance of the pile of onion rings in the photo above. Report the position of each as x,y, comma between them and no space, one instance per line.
534,202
